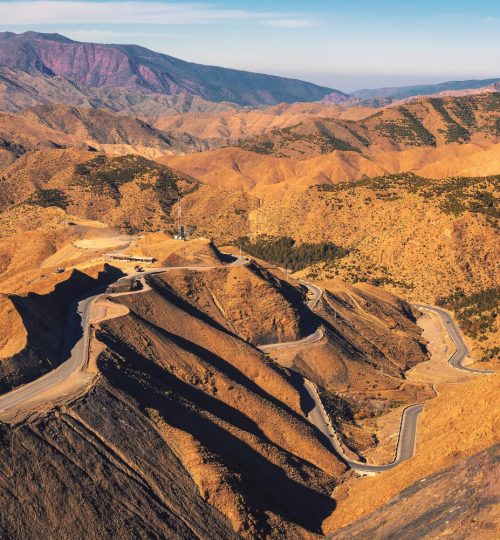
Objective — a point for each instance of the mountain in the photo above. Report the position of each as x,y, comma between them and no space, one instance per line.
428,122
20,90
140,70
186,422
402,92
60,126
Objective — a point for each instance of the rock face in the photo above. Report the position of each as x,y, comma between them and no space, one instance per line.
95,473
136,68
21,89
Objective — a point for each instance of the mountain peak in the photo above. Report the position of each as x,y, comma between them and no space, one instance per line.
30,34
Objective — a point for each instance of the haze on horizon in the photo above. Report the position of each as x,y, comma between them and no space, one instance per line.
345,45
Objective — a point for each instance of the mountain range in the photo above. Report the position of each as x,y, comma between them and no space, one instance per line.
40,69
237,383
403,92
140,70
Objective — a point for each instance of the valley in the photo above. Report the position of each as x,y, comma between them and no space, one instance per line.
81,375
237,305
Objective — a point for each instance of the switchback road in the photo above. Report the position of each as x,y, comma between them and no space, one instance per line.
77,357
77,340
409,419
461,349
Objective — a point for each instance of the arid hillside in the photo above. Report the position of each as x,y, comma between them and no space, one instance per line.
128,191
60,126
302,132
271,177
233,125
402,224
270,328
35,323
204,413
433,482
370,339
402,231
248,300
460,499
184,386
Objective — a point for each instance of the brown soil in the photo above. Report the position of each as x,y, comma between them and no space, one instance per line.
249,301
458,423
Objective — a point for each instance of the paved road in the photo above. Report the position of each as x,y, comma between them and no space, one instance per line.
461,349
312,338
407,433
315,292
320,418
408,428
77,339
15,398
409,419
78,332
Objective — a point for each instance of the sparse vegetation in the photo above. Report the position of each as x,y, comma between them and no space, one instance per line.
340,409
455,195
168,192
49,197
105,175
265,147
454,132
285,252
381,281
280,141
476,312
491,102
409,130
491,354
361,139
464,111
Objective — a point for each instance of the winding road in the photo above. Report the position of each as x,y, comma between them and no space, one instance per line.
76,352
406,442
461,349
409,419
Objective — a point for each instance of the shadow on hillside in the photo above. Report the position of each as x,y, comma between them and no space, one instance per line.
165,290
265,486
52,324
222,365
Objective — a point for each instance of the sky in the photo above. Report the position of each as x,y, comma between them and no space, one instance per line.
343,44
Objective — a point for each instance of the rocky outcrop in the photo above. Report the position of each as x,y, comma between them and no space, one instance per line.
457,502
87,474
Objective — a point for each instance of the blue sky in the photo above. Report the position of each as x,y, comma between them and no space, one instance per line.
345,44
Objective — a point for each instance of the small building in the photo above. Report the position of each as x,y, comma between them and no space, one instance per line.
128,258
